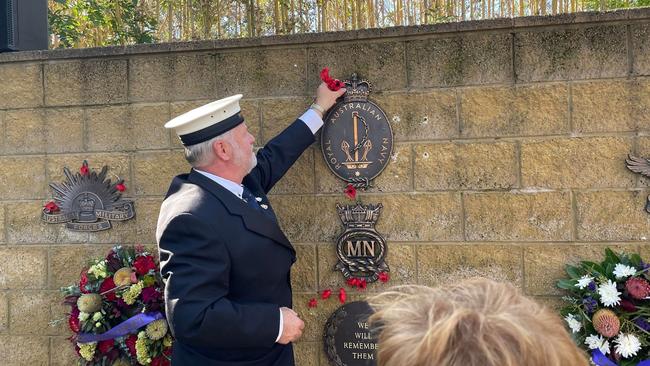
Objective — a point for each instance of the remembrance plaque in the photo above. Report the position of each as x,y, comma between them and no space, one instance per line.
347,337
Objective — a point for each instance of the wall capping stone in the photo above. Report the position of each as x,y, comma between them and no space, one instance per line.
513,24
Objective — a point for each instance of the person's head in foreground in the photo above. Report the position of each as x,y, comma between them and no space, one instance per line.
476,322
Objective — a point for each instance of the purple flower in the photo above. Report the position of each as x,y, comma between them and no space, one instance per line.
590,304
592,286
149,294
642,323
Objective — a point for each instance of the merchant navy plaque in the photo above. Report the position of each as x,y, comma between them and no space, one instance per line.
347,338
357,139
360,249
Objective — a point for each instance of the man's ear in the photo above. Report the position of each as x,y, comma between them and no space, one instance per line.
222,149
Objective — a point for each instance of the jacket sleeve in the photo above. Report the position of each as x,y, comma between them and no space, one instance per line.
195,267
279,154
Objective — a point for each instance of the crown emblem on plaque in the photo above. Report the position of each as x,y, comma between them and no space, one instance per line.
357,89
87,201
359,216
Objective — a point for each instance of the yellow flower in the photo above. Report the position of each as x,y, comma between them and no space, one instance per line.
141,349
132,293
122,277
121,362
167,342
87,350
89,303
99,270
156,329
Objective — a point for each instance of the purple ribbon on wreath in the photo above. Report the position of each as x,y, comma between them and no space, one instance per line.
601,360
128,326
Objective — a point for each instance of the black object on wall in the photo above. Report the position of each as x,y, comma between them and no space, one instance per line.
23,25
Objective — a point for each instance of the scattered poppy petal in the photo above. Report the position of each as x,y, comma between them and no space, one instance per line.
312,303
326,294
342,295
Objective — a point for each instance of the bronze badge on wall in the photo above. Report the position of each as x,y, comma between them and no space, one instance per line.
357,139
641,166
87,201
360,248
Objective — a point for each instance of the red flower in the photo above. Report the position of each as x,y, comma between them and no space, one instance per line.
326,294
106,285
120,187
143,264
84,168
332,84
637,287
351,192
383,277
160,361
83,282
352,282
628,306
105,346
73,321
51,207
312,303
342,295
130,343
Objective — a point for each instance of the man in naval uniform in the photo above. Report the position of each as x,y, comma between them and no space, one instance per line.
224,259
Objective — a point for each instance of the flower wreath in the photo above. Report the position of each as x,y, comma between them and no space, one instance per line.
608,309
117,311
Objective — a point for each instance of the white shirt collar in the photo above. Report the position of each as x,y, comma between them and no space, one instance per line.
234,188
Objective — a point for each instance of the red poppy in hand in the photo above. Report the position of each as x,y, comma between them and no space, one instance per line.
332,84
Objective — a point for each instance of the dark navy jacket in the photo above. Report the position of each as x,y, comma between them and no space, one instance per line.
226,266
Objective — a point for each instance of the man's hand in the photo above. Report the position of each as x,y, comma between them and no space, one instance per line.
292,325
327,98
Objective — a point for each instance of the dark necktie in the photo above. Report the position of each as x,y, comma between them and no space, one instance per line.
250,199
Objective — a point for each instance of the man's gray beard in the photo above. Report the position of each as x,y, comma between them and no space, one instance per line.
252,161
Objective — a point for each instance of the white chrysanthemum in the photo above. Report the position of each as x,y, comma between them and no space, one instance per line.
609,295
584,281
574,324
627,345
623,271
597,342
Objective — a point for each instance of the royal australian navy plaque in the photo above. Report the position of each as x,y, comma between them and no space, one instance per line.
347,338
357,139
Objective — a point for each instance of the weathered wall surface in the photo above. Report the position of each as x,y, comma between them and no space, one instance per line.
510,140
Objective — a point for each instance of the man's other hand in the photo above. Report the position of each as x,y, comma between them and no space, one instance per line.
292,326
327,98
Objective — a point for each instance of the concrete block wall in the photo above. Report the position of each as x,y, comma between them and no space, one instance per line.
510,140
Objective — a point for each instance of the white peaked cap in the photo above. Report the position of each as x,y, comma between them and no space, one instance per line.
208,121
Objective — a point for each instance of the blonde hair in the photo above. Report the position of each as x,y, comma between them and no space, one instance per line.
475,322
